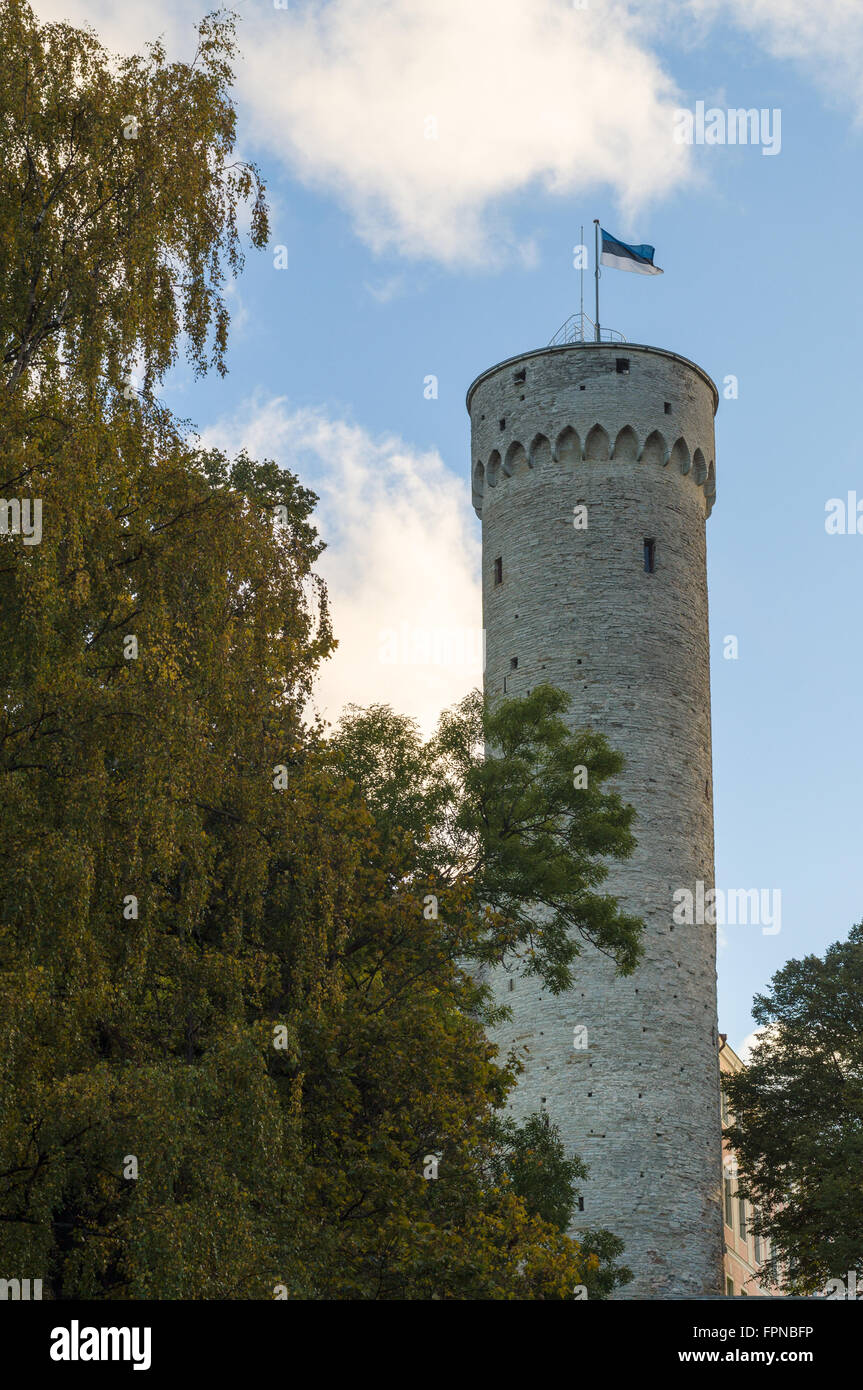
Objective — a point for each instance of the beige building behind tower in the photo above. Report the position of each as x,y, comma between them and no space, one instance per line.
745,1253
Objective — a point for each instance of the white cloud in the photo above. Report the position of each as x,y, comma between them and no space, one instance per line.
744,1051
521,96
825,39
126,28
401,559
384,291
526,95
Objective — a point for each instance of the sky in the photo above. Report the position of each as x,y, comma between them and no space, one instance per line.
429,164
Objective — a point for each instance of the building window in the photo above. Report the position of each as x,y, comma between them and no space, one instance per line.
741,1206
498,570
723,1104
649,556
756,1244
729,1286
622,364
729,1200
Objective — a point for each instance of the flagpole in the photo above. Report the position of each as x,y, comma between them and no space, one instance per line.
596,224
581,278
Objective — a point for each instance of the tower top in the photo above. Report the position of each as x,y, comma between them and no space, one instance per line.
607,348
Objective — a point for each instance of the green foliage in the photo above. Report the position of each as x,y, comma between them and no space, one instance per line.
491,804
118,202
535,1161
798,1116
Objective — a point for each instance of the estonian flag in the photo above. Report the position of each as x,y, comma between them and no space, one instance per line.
623,257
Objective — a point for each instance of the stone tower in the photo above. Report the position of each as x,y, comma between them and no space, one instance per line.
616,615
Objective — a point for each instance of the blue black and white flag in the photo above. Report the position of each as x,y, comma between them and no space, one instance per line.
624,257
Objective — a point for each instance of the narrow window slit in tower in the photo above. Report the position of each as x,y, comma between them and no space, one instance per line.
668,407
511,986
513,663
622,365
503,423
498,570
581,1204
649,556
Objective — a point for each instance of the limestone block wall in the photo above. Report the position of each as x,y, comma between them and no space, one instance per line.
626,431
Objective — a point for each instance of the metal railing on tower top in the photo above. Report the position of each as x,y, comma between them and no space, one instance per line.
579,328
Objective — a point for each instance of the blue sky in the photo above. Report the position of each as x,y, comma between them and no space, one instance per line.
445,257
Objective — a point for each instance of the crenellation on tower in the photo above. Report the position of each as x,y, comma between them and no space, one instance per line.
616,615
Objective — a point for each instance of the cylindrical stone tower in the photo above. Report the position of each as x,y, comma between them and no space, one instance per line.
616,615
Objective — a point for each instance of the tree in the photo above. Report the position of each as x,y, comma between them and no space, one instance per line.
798,1116
534,1156
118,203
491,806
480,847
156,651
415,1188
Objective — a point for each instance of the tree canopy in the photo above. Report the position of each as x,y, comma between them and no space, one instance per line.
798,1117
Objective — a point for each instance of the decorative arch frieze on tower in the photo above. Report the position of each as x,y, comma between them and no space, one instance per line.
631,438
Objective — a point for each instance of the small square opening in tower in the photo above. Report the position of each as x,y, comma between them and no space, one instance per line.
622,364
649,556
513,663
520,376
498,570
